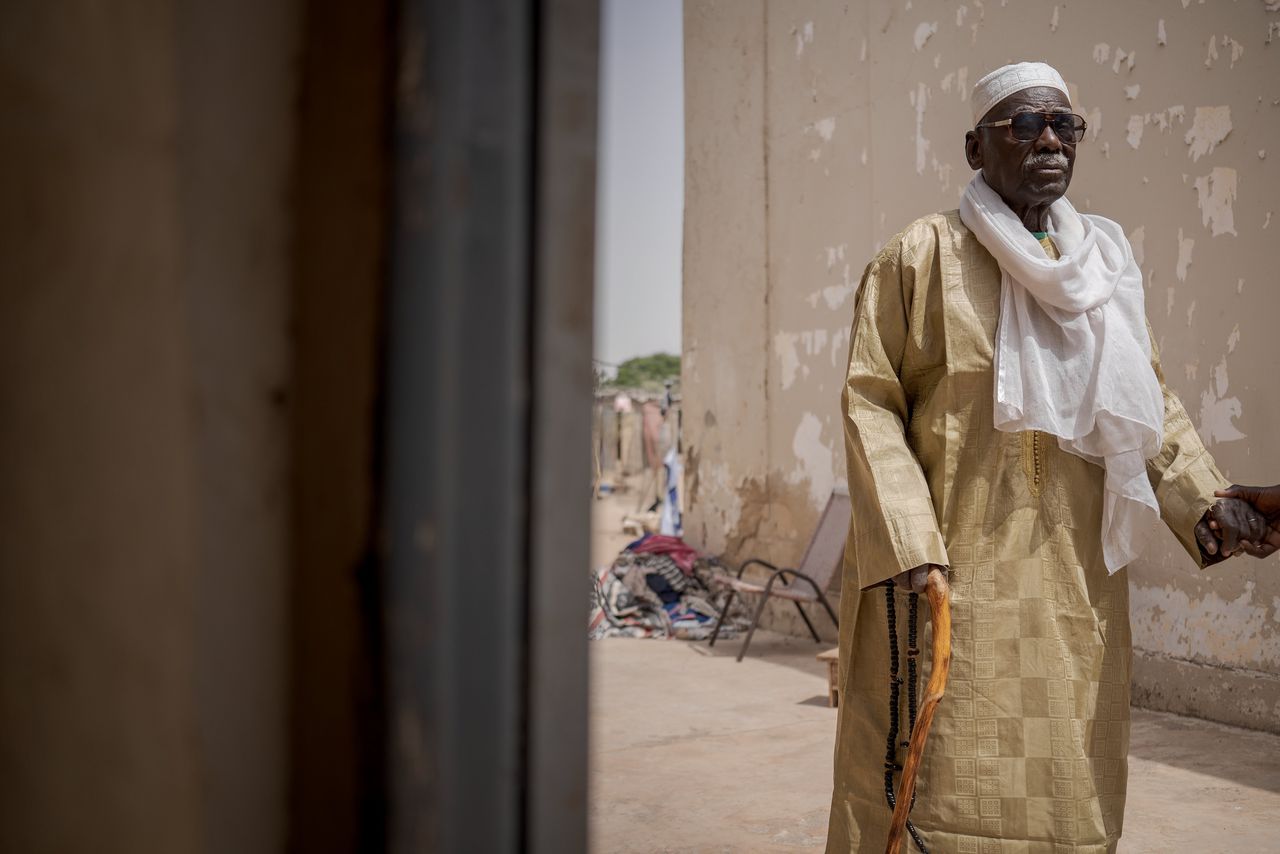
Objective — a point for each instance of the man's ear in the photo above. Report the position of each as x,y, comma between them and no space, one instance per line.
973,150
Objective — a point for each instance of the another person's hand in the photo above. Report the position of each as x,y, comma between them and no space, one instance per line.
1236,523
917,578
1266,500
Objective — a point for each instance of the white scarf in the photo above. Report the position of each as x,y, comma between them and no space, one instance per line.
1072,353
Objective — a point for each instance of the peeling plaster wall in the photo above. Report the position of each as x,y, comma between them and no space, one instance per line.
815,131
725,328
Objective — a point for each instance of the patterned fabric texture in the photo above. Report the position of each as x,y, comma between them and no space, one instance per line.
1028,750
645,594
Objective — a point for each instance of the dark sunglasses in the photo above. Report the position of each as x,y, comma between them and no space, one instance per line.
1027,127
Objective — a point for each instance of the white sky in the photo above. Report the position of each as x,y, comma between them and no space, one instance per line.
640,190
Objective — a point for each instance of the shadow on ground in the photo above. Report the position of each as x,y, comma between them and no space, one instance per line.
1242,757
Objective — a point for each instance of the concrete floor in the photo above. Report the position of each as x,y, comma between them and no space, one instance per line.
692,752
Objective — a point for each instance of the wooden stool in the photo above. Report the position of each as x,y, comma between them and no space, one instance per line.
832,658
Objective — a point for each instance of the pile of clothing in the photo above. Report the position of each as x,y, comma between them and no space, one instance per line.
658,586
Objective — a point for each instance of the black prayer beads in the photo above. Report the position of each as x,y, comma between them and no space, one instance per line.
895,684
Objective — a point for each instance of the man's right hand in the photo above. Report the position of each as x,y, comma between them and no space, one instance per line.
916,579
1266,500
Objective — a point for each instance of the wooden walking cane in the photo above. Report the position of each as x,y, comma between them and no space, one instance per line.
939,593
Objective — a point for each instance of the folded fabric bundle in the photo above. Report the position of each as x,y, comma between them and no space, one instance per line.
647,593
675,548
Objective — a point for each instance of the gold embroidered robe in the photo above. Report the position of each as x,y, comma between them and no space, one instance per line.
1027,754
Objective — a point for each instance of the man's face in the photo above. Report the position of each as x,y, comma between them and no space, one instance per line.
1025,174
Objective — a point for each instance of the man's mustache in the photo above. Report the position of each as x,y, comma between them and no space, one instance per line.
1052,162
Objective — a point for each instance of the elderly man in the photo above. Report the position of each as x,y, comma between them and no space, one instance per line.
1006,421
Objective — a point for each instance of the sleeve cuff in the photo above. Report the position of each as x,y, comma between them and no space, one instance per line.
1185,498
910,549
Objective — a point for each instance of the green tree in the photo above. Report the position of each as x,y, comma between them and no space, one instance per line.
644,371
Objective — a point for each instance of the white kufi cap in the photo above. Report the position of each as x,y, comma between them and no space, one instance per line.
1003,82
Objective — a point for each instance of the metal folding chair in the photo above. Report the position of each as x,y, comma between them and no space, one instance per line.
822,559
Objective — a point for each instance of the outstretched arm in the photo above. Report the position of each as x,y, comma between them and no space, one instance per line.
1186,479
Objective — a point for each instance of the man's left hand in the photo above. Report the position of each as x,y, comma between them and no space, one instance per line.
1240,527
1266,500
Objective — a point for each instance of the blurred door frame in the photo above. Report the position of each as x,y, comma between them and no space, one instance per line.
487,396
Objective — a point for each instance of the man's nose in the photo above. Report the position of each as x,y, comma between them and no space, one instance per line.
1048,140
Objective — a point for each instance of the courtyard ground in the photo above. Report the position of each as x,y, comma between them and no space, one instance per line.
694,752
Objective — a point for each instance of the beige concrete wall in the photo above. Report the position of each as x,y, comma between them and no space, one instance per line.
725,325
144,356
817,130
